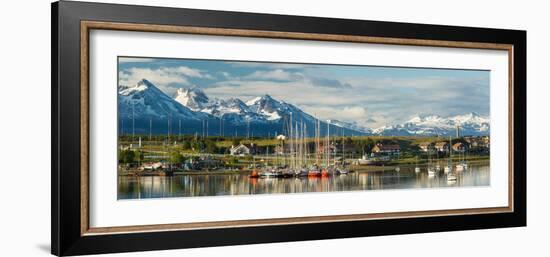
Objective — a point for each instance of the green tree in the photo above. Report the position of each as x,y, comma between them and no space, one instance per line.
176,157
186,145
211,147
139,156
198,145
126,156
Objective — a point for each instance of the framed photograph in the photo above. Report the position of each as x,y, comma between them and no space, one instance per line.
178,128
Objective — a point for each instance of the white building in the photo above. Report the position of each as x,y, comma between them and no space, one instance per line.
240,150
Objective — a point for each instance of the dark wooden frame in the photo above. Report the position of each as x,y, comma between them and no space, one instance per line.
71,22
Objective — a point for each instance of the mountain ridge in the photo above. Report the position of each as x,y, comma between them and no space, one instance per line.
265,114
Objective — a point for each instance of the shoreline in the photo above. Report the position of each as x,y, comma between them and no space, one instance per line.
354,168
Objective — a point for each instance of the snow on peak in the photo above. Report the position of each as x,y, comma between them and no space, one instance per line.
253,101
193,98
145,100
468,124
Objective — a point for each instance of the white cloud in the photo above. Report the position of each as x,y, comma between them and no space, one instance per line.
277,74
389,100
343,113
269,65
135,60
330,95
186,71
166,78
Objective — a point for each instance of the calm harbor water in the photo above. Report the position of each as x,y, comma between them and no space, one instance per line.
241,184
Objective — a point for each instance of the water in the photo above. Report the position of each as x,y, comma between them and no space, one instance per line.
241,184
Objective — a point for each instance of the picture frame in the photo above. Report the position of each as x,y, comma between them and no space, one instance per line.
71,26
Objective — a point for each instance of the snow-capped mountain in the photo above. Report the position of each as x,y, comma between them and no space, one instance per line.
145,100
263,109
144,107
273,110
468,124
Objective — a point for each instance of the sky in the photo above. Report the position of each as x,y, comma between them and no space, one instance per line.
370,96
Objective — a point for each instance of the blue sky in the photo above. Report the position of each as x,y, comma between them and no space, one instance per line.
368,95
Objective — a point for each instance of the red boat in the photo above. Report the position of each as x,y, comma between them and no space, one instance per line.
254,174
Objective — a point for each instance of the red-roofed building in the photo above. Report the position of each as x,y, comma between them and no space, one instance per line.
386,149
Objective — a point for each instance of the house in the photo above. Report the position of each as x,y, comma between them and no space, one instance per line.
442,147
242,149
460,147
386,149
239,150
426,146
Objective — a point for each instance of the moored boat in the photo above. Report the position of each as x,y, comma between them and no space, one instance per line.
314,173
343,171
451,177
254,174
431,171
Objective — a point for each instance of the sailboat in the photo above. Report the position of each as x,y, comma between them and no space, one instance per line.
327,171
449,167
431,170
342,169
451,176
314,170
301,168
254,173
462,165
416,168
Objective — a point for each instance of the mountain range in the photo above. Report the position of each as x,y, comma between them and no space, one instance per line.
144,108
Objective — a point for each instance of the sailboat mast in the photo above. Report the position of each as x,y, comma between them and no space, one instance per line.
450,151
317,141
133,121
290,141
296,135
305,145
328,143
343,148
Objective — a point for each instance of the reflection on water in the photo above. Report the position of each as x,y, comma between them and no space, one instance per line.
241,184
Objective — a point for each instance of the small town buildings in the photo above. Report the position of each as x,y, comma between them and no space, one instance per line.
478,144
426,146
386,149
442,147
